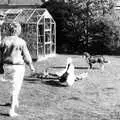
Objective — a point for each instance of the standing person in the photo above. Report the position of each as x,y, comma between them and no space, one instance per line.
14,56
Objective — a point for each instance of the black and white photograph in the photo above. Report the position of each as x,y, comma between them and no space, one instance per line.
59,59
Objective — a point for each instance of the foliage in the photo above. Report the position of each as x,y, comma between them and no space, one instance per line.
60,12
85,26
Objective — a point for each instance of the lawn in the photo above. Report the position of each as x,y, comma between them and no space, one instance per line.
94,98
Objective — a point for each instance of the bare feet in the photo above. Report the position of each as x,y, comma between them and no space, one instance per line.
13,114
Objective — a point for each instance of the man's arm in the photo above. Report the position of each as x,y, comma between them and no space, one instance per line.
27,57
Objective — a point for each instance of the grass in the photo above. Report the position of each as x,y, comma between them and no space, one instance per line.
94,98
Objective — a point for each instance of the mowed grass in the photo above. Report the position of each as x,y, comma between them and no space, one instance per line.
94,98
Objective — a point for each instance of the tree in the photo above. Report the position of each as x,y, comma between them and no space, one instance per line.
91,12
60,12
83,25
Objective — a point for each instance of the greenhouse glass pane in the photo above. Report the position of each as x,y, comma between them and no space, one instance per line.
53,48
40,11
52,21
35,17
47,19
24,27
41,30
47,49
24,16
41,39
32,28
53,38
47,25
42,20
40,49
13,11
10,16
53,28
47,36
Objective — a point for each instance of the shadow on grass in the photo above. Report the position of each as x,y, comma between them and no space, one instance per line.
94,68
74,98
75,68
6,104
53,83
47,80
4,114
32,79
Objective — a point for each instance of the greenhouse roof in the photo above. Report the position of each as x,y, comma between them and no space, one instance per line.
24,15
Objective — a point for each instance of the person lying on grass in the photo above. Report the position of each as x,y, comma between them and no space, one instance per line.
68,75
14,56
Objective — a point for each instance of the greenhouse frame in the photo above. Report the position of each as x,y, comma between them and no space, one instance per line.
38,29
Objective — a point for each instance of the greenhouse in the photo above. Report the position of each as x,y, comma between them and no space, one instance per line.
38,29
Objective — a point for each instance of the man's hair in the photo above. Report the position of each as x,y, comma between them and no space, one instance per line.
15,28
69,60
11,28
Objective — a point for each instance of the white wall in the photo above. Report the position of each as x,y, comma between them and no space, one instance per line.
3,1
21,2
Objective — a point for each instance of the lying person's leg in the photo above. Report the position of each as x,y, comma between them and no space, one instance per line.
54,75
70,79
81,76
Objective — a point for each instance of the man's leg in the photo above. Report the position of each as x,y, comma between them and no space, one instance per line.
17,84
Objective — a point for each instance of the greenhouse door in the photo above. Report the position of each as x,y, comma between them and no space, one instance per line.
49,35
46,36
47,42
